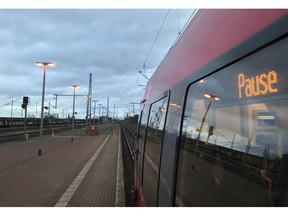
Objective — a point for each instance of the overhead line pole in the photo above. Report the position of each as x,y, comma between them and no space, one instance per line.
65,95
134,108
107,107
89,99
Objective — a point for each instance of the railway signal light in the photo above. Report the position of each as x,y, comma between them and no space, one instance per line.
25,100
210,131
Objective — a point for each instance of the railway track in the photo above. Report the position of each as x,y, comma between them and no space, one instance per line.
128,132
18,134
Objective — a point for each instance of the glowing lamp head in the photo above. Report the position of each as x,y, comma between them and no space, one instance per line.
74,86
213,97
50,64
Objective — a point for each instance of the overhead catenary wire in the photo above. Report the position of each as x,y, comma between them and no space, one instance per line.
10,102
179,32
178,35
178,22
156,37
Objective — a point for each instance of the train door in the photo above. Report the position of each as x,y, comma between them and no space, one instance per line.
138,150
148,150
152,151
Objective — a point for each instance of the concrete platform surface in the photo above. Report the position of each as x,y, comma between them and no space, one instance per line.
81,173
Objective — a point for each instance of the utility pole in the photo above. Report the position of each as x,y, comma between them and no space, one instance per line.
36,110
55,101
114,112
99,110
94,116
49,113
134,107
107,107
24,106
103,110
11,112
89,98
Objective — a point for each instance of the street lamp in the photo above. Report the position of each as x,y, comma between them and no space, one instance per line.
212,98
73,115
44,64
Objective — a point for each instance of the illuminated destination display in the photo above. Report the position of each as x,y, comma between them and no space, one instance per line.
261,84
258,78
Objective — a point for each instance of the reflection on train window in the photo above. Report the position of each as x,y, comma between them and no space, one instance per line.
153,146
234,142
265,119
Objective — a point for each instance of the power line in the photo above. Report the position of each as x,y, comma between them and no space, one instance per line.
10,102
178,35
178,22
156,37
180,32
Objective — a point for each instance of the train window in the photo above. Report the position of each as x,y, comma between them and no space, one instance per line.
234,141
139,147
153,145
265,119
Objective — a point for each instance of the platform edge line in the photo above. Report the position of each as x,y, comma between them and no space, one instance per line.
66,197
120,192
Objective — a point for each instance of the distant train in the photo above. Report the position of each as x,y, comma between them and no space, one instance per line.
19,122
214,120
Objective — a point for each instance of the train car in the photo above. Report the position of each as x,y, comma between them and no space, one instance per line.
213,124
17,122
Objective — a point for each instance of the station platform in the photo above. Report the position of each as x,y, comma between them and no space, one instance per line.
85,172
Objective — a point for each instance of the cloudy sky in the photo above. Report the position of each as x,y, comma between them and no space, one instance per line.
111,44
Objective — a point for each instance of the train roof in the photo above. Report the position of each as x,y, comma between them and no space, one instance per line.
210,34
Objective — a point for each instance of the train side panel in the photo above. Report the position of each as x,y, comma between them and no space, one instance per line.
230,152
233,147
210,34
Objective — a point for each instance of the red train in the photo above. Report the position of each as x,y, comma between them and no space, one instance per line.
213,125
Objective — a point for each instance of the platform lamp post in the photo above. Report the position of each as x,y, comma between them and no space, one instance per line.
44,65
73,115
212,98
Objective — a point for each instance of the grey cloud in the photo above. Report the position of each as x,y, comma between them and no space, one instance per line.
111,44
